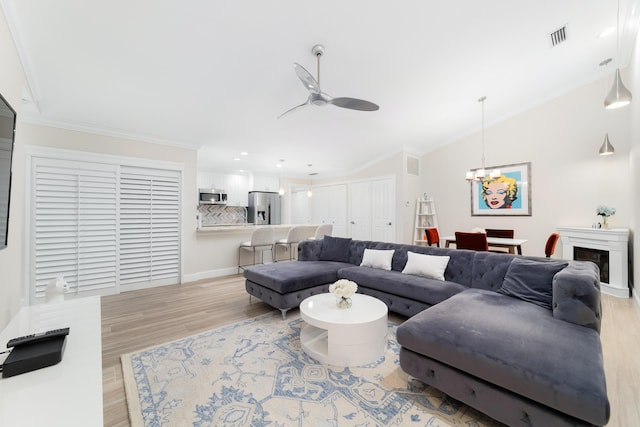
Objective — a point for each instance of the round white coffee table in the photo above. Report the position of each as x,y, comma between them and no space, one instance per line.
344,337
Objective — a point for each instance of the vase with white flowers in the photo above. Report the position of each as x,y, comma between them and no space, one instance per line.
605,212
343,290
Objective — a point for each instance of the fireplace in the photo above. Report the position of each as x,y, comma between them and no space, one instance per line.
608,248
597,256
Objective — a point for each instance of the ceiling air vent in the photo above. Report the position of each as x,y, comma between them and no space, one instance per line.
558,36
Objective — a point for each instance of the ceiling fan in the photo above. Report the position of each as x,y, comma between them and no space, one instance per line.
318,97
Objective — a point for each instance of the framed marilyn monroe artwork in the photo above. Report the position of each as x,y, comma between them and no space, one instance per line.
507,195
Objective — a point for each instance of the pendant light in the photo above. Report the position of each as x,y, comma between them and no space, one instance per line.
479,174
606,149
619,95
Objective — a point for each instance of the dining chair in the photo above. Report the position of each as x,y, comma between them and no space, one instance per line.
433,237
473,241
502,233
550,246
262,239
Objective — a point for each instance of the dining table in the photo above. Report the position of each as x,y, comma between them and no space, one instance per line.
512,245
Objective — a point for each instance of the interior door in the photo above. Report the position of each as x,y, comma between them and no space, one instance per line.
360,210
299,206
320,205
383,210
338,209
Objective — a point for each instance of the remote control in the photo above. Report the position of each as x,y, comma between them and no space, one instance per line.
40,336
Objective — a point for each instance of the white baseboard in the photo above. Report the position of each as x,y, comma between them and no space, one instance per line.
614,291
229,271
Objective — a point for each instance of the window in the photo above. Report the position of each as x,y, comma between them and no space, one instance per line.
103,225
149,226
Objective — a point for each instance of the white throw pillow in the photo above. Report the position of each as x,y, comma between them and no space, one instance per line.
431,266
376,258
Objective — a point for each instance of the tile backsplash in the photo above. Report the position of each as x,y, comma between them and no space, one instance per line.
222,215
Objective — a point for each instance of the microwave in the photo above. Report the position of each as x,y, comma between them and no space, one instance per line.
210,196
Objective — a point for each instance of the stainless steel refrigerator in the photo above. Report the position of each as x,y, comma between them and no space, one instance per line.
264,207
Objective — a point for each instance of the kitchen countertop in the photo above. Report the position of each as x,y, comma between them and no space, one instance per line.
239,227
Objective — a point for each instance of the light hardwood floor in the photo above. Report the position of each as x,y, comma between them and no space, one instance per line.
135,320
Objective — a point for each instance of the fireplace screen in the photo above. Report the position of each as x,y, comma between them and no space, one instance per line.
599,257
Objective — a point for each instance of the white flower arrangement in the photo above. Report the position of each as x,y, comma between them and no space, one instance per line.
605,211
343,288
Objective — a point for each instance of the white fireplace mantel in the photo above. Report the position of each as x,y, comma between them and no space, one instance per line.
613,240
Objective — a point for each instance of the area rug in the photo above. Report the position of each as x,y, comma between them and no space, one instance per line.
254,373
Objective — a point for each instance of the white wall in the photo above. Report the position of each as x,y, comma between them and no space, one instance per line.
11,258
569,179
633,83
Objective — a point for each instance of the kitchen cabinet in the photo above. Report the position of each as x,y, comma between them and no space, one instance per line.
236,186
212,180
237,190
265,183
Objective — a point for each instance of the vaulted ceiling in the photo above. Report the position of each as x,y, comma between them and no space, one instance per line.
215,75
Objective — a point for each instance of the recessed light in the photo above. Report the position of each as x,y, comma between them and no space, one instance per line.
279,165
244,153
237,159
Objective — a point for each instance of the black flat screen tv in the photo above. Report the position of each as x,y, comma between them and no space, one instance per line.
7,135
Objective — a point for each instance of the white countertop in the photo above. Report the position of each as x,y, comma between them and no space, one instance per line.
241,227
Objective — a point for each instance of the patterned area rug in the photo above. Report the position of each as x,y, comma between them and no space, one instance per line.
254,373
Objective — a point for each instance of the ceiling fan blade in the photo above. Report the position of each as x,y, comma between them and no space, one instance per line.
306,78
354,104
291,110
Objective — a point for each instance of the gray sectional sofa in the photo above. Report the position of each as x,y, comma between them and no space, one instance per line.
514,337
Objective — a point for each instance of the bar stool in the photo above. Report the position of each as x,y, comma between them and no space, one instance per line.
262,239
294,236
321,231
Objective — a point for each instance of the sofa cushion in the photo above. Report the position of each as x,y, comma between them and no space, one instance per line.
376,258
530,280
285,277
417,288
488,269
431,266
516,345
335,249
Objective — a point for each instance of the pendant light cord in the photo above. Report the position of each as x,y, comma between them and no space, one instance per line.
318,55
618,35
482,99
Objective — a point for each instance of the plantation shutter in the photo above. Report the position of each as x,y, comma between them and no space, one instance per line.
149,226
75,227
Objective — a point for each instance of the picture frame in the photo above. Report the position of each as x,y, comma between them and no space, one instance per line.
507,195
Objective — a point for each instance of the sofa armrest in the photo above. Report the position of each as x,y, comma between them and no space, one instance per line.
576,294
309,250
